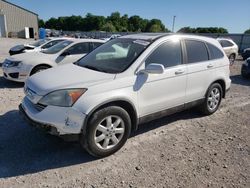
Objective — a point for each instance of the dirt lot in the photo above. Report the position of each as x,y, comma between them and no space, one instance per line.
183,150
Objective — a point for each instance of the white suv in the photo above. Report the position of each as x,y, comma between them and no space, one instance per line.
125,82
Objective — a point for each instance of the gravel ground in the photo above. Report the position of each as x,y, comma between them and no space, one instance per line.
182,150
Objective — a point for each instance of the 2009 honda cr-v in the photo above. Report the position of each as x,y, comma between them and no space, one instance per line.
127,81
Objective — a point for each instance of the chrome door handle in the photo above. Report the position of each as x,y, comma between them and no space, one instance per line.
179,72
210,66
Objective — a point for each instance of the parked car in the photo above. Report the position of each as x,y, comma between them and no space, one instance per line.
246,53
36,46
19,67
114,36
245,69
230,47
105,95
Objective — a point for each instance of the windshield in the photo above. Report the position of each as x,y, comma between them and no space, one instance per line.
114,56
57,48
39,42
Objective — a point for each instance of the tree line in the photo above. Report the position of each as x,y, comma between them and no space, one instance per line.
113,23
118,23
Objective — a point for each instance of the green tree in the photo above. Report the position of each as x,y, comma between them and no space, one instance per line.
108,27
155,25
41,23
203,30
247,31
52,23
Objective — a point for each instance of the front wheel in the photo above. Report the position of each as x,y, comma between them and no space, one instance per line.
212,100
107,131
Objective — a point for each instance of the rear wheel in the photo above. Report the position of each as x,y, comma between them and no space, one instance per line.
212,100
39,69
107,131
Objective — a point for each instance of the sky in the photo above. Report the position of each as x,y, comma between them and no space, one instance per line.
230,14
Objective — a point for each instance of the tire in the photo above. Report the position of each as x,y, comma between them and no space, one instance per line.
38,69
212,100
232,59
100,138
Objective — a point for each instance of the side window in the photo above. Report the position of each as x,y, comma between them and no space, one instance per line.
168,54
94,45
215,53
225,43
80,48
196,51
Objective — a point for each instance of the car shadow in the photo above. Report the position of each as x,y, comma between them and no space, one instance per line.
26,150
238,79
9,84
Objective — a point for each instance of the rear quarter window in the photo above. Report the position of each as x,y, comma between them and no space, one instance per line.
215,53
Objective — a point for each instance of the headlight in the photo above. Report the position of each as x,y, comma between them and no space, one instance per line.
8,63
63,98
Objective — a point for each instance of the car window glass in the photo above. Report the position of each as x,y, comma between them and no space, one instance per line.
80,48
57,48
225,43
215,53
168,54
196,51
114,56
95,45
50,44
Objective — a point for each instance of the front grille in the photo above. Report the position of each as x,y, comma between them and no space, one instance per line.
14,75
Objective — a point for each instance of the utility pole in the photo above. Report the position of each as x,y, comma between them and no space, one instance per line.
173,23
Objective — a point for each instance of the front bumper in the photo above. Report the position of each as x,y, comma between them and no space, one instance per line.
55,120
15,74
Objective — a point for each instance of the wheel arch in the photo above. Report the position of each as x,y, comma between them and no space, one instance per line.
39,65
123,103
223,85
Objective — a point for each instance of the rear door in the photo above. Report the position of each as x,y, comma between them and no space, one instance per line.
201,70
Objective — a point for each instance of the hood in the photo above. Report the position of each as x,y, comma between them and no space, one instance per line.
65,76
31,57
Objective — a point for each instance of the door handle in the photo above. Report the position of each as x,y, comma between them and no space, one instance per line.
210,66
179,72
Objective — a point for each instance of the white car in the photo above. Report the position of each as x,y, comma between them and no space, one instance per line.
19,67
36,46
114,36
104,96
230,48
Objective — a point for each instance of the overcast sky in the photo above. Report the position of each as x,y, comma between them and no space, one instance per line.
232,15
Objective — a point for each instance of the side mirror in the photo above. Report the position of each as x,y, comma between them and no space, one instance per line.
153,68
65,54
